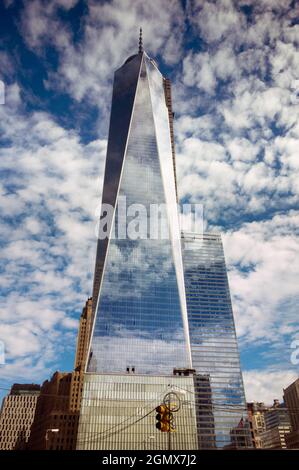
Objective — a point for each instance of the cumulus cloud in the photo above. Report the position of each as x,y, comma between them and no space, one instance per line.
47,234
266,385
204,70
239,160
263,259
215,19
235,71
259,164
108,35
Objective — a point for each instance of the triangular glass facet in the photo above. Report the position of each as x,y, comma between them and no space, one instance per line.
138,322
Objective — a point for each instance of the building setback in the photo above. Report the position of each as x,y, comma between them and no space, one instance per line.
17,414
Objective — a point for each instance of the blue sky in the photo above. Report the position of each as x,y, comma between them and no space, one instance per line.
234,66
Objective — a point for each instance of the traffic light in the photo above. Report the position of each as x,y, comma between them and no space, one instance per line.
164,419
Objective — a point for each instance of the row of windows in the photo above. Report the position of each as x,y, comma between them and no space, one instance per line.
212,335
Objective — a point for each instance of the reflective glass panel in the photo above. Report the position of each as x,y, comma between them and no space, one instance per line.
221,410
138,320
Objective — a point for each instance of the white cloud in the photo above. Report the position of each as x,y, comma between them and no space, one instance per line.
263,259
215,19
48,235
266,385
109,35
204,69
242,149
198,71
229,157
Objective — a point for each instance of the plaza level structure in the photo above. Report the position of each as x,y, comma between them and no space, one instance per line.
162,320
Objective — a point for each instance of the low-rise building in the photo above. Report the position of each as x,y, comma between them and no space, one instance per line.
17,414
57,412
278,425
256,411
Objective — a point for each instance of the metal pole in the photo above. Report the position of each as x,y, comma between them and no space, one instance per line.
169,433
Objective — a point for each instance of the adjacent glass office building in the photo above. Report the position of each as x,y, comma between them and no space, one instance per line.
162,316
221,411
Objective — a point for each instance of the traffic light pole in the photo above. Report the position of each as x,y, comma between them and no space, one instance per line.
169,433
165,415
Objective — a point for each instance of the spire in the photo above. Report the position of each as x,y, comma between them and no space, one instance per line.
140,50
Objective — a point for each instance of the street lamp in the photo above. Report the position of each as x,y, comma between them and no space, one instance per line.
47,435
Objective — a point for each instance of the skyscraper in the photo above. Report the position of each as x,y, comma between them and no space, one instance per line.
139,296
148,338
215,356
16,416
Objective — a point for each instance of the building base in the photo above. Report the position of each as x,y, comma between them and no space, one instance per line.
118,412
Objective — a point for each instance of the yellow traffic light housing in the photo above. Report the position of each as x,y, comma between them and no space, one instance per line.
164,419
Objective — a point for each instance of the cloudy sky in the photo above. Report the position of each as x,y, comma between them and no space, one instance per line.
234,66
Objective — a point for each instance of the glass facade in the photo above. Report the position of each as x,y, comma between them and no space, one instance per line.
119,412
141,318
124,91
161,301
221,406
